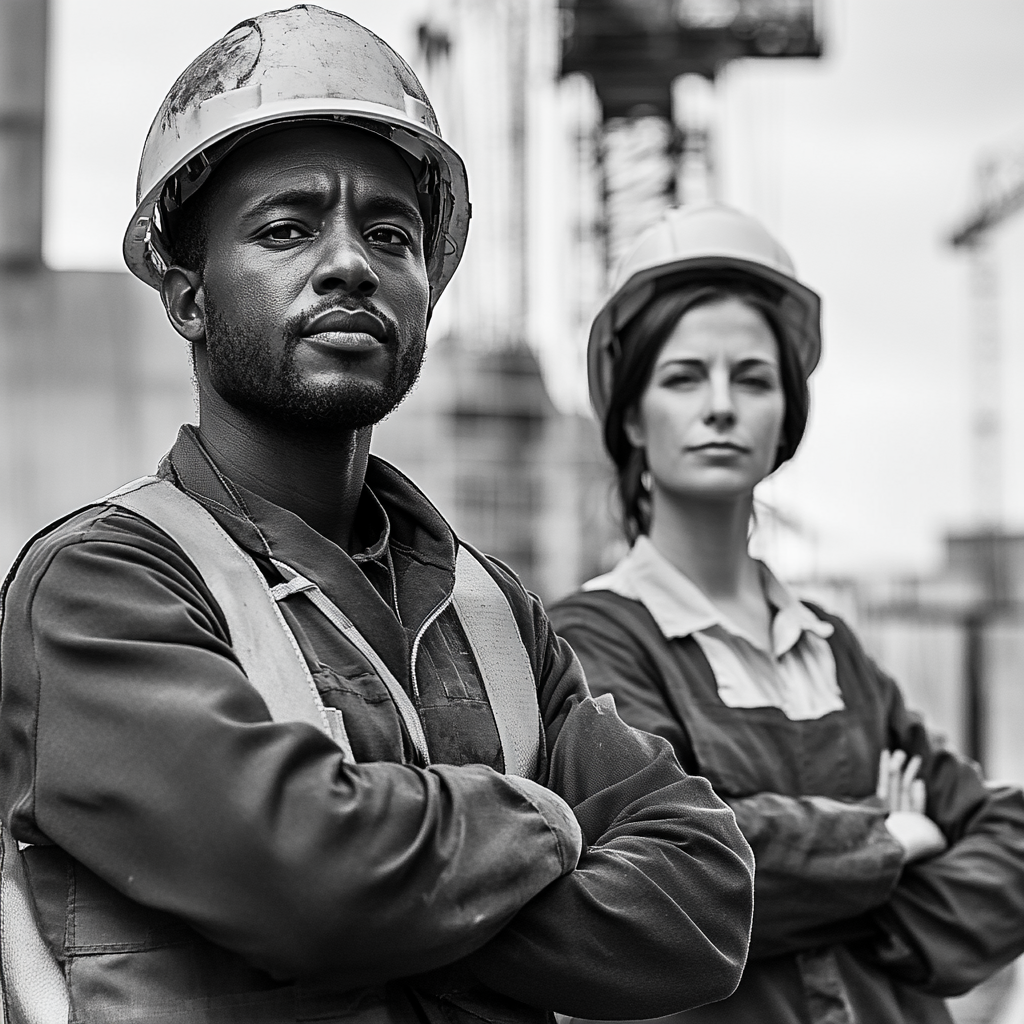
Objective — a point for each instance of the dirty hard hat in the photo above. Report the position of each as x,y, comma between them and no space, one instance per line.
688,243
282,67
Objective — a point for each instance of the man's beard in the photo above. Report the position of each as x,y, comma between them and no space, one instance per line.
246,374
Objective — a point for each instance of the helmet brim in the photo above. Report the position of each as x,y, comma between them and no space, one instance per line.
799,313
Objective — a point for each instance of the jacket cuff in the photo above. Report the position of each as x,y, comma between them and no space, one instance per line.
557,815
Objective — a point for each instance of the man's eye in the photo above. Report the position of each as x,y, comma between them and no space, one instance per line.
284,233
387,235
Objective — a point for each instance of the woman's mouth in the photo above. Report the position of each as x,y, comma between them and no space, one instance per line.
720,448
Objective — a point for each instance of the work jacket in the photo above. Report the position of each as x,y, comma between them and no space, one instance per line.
193,861
843,933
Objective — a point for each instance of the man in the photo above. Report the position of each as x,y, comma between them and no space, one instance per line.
194,857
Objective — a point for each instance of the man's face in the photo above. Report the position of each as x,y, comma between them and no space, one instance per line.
314,291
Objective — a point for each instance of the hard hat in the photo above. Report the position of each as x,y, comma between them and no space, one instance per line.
708,237
288,66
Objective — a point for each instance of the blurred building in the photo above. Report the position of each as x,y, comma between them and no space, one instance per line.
519,477
953,640
93,381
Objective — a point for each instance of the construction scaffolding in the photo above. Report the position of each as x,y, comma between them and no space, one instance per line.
653,64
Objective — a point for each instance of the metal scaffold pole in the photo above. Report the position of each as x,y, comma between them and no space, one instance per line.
987,416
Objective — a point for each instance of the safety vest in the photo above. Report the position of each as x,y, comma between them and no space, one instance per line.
32,983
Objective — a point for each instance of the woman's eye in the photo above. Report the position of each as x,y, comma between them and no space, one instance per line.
757,383
681,379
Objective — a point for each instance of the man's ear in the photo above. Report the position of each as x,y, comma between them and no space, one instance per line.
185,302
632,429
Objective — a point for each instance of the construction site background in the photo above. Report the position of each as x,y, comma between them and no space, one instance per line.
94,382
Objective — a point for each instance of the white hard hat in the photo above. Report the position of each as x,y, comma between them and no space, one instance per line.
287,66
702,238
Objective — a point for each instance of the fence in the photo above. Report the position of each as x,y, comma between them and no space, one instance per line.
964,671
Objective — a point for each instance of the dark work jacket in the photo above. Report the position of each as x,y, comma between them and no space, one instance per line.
843,933
196,863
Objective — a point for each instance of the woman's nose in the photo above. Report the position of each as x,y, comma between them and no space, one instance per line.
345,263
721,410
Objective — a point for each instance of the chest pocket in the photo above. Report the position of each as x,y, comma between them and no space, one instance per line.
452,702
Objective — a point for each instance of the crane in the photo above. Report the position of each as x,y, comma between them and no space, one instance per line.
999,194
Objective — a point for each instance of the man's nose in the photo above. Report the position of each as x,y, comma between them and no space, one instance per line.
344,263
721,409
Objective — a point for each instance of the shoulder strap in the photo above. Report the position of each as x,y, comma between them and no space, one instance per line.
502,659
260,636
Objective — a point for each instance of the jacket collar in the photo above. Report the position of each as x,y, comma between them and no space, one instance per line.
405,534
680,608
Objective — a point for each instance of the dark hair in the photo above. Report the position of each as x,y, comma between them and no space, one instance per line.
187,230
642,339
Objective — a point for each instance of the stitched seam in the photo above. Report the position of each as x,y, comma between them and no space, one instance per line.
69,913
100,948
333,688
439,609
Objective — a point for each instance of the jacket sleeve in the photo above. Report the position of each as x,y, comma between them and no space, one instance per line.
953,920
655,918
822,864
132,739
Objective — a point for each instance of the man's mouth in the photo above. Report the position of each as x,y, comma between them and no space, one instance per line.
346,328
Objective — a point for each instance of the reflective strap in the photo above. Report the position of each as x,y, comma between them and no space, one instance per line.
260,636
504,664
297,584
33,987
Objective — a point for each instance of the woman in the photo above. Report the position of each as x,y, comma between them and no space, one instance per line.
888,875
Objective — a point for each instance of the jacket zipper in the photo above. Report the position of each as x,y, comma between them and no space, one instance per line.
427,623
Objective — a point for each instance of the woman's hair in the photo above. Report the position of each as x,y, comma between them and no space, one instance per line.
642,339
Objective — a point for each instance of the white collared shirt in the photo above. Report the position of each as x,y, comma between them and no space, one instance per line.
798,674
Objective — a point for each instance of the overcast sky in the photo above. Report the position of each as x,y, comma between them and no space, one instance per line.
860,162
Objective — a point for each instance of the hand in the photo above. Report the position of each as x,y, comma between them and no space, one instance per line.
898,787
903,793
917,834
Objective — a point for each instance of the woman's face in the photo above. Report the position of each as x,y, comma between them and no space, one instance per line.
711,416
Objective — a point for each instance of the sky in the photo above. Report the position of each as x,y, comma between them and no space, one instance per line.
860,162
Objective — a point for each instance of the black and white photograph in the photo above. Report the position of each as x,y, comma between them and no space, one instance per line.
512,512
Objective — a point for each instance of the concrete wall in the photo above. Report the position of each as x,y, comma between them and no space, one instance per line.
513,476
93,385
22,109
